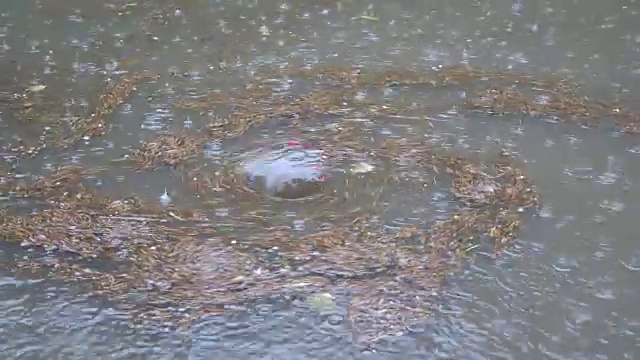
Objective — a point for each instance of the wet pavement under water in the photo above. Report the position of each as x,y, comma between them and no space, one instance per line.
565,290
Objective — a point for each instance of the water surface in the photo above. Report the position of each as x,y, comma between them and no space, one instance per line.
565,290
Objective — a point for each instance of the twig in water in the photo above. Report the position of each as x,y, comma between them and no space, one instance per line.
133,218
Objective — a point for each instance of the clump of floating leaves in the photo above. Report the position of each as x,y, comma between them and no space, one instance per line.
167,148
95,124
176,265
37,108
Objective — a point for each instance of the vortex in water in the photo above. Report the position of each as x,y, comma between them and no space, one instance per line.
288,171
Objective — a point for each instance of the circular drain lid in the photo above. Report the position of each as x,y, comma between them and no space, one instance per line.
288,171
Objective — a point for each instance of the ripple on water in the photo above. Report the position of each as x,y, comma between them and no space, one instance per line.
580,173
635,261
634,150
489,320
222,212
299,225
564,264
157,119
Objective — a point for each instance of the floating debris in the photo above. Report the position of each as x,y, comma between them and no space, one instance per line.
95,124
167,148
178,256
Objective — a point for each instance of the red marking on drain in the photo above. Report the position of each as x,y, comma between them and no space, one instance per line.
293,143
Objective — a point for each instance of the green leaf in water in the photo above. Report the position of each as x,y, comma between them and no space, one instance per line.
322,302
37,88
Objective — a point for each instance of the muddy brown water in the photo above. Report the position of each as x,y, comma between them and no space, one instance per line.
567,289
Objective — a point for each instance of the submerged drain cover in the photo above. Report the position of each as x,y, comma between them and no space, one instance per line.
288,171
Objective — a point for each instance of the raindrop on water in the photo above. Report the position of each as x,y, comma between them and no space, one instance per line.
361,95
614,206
516,8
299,225
610,176
126,108
264,30
188,123
564,221
605,294
634,150
222,212
545,212
565,265
607,178
165,200
635,260
213,149
335,319
584,173
542,99
389,91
